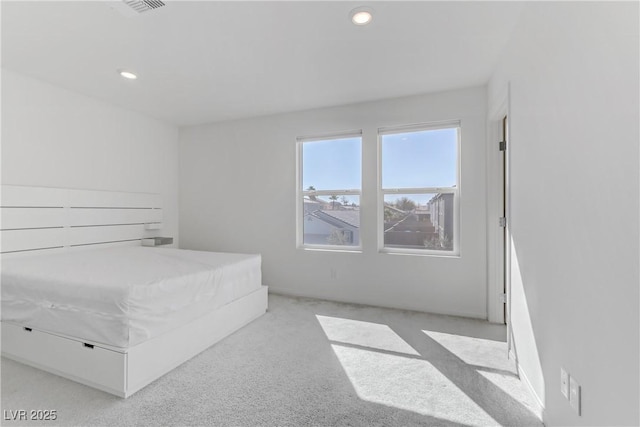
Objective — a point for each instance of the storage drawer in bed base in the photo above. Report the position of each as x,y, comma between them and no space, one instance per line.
97,367
124,373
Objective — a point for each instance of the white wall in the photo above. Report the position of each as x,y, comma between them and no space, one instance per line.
237,193
573,73
55,138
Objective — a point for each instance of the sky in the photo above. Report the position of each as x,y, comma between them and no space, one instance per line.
415,159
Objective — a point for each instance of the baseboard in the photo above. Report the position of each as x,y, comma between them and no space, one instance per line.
525,380
295,293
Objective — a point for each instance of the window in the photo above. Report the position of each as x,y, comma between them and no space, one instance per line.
329,190
419,188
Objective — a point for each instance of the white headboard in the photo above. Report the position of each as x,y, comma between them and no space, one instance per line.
53,219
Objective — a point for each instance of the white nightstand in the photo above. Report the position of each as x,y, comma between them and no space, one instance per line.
157,241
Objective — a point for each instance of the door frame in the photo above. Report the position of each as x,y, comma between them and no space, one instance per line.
498,238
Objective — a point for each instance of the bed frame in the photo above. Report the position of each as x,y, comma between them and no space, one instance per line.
38,220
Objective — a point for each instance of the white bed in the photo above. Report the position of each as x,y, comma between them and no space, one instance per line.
121,297
109,313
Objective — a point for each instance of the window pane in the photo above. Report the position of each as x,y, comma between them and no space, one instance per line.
419,221
420,159
331,220
334,164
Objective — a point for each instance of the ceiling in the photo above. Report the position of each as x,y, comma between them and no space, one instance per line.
207,61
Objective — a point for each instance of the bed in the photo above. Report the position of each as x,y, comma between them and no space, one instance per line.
113,314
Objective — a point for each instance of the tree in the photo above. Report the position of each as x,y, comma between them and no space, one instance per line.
391,214
388,214
344,201
312,196
405,204
333,199
439,243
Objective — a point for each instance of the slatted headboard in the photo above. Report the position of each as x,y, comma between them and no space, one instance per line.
38,219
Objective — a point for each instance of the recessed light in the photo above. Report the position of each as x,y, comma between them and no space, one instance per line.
361,15
128,74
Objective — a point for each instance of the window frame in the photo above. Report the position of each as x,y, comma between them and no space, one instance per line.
455,253
301,193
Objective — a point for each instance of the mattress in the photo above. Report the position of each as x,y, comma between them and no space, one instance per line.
120,297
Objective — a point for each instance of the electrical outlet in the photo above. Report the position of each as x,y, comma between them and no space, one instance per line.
574,394
564,383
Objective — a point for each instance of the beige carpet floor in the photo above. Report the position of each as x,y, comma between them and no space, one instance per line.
310,363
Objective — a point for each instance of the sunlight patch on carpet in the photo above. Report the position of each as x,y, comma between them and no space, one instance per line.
475,351
512,386
365,334
408,383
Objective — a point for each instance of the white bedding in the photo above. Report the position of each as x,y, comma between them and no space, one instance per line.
121,297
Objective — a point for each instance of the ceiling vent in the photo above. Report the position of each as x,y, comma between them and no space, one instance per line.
136,7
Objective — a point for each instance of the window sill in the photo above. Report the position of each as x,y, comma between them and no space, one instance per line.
354,249
419,252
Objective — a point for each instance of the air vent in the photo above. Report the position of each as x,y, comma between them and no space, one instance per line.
136,7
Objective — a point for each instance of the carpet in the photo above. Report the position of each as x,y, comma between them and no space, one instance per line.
308,362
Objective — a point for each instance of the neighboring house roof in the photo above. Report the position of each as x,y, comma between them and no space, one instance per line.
440,196
306,199
393,208
349,217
